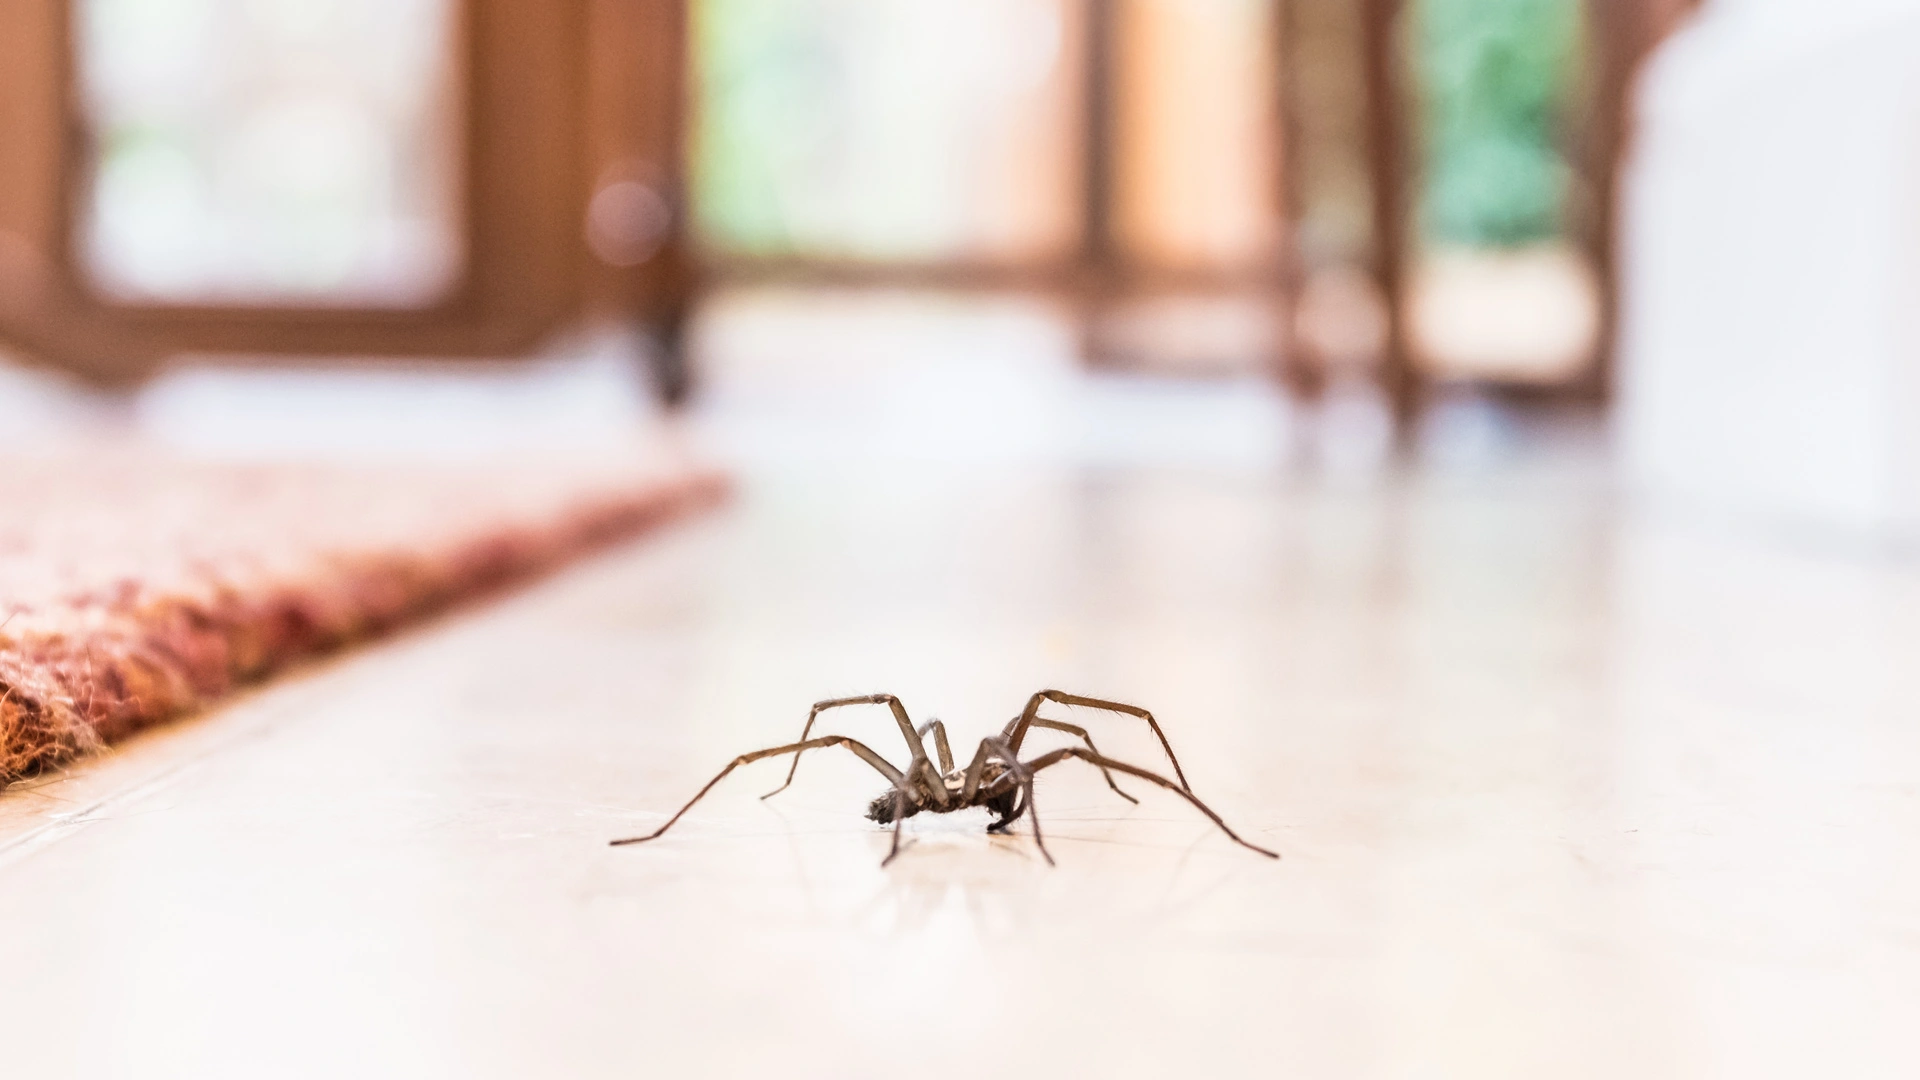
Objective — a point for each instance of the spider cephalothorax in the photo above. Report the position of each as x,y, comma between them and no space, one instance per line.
996,778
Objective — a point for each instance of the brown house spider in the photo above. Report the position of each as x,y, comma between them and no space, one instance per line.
997,779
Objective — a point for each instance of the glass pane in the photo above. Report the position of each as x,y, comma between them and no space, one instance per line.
882,129
1503,284
286,152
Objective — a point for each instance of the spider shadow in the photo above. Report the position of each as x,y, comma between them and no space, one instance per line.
1003,886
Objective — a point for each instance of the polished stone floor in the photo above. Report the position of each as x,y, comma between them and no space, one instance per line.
1563,789
1566,787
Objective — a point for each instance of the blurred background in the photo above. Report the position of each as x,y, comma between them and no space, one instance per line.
1448,410
1296,233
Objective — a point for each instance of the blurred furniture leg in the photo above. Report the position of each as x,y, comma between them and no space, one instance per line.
672,283
638,224
1388,160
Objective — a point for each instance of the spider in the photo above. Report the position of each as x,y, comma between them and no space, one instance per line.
996,779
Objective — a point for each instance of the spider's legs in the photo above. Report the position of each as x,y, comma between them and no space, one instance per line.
921,776
899,817
1001,825
940,745
1033,814
1017,731
1016,776
1057,756
990,747
971,783
1081,733
865,754
1022,776
914,746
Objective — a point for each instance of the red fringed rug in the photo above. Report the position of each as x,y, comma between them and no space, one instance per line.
133,590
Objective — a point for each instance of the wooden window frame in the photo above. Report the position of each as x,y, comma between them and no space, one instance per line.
1097,274
1072,272
1623,32
521,63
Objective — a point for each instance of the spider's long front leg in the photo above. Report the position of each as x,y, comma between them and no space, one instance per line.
893,775
1057,756
914,746
1017,731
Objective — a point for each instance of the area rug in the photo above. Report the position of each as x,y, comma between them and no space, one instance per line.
134,589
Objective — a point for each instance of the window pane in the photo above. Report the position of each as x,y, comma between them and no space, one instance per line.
285,152
877,129
1503,284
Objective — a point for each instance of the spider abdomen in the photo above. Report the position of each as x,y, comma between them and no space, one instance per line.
882,807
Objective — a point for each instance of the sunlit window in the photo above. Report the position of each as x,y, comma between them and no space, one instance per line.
295,152
876,129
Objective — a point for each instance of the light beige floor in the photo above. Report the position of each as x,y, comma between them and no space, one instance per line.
1562,793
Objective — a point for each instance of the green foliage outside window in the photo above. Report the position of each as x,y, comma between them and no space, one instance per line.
766,92
1496,78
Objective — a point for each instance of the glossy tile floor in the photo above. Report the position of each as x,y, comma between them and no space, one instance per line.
1563,789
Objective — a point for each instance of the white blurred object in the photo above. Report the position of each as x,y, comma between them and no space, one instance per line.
1191,334
792,377
1465,428
1771,267
41,409
1528,315
1352,433
587,398
1239,424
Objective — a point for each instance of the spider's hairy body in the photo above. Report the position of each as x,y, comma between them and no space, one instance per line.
996,778
997,792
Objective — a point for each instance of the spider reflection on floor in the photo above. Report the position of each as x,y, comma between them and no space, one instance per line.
996,778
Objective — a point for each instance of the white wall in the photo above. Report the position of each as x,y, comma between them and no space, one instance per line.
1770,363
